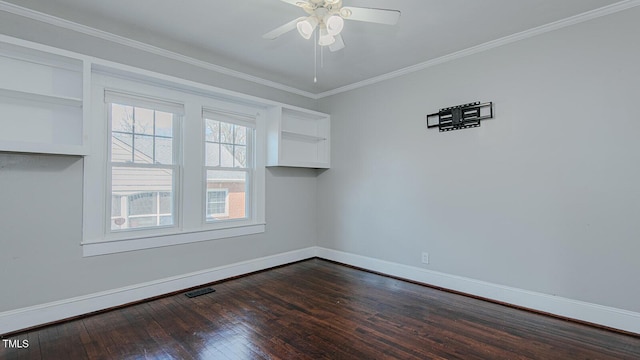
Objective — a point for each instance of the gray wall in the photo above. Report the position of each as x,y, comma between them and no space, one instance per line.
41,230
544,197
41,201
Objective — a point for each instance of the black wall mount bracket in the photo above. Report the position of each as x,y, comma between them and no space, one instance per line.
461,116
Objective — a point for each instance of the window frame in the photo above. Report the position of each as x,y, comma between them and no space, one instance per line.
176,166
249,169
191,224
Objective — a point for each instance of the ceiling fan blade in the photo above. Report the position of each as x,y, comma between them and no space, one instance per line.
300,3
282,29
380,16
338,44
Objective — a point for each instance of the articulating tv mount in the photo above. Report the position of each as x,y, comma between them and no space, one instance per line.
461,116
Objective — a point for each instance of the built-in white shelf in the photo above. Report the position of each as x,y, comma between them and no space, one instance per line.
302,137
41,98
45,96
298,138
42,101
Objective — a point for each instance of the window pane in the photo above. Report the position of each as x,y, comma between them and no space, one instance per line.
166,203
143,121
212,156
241,135
142,187
164,151
226,155
116,206
143,148
229,149
164,124
226,133
143,203
212,130
240,156
122,118
121,147
144,221
235,184
152,140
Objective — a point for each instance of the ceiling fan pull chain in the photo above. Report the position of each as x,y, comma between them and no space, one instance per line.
315,60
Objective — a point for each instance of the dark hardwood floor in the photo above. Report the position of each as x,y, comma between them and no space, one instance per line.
320,310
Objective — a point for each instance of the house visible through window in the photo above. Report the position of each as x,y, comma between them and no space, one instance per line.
143,209
143,163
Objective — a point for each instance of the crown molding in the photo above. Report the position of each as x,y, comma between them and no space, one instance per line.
87,30
576,19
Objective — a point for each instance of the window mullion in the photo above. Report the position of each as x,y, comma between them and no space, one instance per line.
233,145
220,168
144,166
153,155
133,135
219,143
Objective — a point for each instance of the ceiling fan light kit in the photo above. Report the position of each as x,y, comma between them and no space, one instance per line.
328,16
307,26
334,24
325,38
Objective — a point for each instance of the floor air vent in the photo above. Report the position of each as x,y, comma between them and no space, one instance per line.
194,293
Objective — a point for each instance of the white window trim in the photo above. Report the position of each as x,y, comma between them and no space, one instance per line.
191,226
236,119
176,166
160,240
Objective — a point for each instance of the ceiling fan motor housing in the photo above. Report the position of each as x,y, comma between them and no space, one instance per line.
327,6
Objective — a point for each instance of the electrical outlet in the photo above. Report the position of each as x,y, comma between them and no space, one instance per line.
425,258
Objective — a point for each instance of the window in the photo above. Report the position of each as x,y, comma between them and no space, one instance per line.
228,162
217,203
143,161
170,164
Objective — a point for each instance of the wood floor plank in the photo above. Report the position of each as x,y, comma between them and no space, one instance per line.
321,310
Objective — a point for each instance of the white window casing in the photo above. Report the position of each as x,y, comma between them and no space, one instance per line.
141,173
190,196
229,160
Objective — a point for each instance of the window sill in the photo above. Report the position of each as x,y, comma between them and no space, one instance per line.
104,247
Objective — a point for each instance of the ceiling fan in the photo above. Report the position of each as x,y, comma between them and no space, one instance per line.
328,16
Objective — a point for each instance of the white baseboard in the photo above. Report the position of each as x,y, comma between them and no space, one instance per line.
597,314
14,320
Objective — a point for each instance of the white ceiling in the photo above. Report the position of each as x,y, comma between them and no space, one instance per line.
228,33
